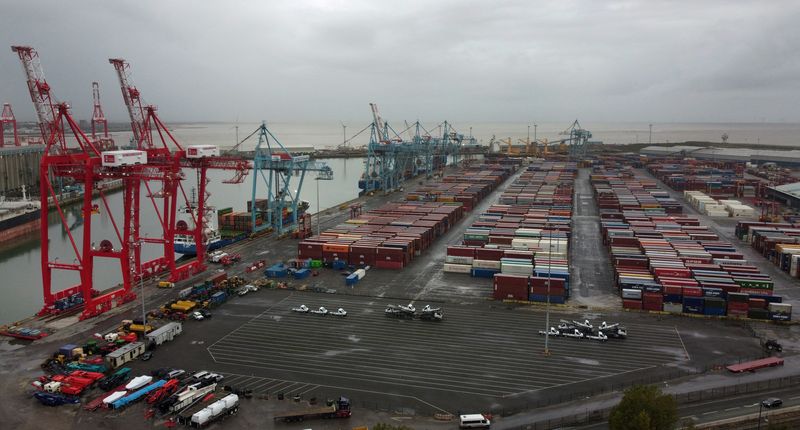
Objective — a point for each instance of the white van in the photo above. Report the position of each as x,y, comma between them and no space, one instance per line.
473,421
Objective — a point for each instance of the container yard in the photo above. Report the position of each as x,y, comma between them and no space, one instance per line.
666,261
522,242
392,235
479,250
371,306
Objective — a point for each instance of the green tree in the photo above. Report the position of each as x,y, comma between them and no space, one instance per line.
644,407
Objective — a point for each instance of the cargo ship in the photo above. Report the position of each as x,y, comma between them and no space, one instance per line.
18,218
185,243
224,226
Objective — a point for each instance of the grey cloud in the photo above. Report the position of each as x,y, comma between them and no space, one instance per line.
635,60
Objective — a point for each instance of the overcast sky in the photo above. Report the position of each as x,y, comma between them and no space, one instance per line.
325,60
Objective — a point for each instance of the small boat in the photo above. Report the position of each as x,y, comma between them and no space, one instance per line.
138,382
114,397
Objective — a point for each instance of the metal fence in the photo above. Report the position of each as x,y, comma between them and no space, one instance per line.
599,415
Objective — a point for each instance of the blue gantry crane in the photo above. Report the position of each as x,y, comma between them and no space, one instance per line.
391,160
578,140
276,167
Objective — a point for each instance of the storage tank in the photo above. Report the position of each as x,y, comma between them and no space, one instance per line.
202,417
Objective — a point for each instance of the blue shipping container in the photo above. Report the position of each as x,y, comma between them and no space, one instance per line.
302,274
484,273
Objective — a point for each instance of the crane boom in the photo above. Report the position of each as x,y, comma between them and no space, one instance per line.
39,90
133,102
98,117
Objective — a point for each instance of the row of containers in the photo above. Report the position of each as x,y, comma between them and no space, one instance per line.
668,262
522,241
390,236
717,208
717,179
777,242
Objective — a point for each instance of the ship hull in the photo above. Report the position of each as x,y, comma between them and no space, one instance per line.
190,250
19,225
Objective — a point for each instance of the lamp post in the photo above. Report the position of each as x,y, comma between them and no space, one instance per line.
534,130
141,283
529,134
547,306
319,210
760,406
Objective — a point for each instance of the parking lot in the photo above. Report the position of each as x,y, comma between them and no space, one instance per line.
488,352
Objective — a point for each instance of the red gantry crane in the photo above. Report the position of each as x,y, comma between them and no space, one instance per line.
79,159
148,131
104,142
7,117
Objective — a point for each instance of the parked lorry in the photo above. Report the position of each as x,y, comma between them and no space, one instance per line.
333,409
228,405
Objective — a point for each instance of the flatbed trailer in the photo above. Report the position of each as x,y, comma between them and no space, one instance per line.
752,366
335,409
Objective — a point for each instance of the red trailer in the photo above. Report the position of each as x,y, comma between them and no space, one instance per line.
752,366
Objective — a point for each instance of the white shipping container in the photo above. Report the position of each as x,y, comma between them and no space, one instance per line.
794,265
675,308
631,294
457,268
202,151
486,264
457,259
125,157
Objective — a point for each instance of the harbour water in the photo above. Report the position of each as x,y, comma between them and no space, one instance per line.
20,269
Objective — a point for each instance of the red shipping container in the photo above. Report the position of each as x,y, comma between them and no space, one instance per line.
388,264
489,254
673,289
653,306
515,280
692,292
631,304
510,291
672,272
757,303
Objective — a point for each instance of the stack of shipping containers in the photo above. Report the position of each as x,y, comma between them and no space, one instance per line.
390,236
666,261
522,242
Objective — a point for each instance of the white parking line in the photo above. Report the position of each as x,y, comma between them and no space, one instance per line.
710,412
732,409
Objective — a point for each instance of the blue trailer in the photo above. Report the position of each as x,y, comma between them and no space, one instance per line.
136,395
